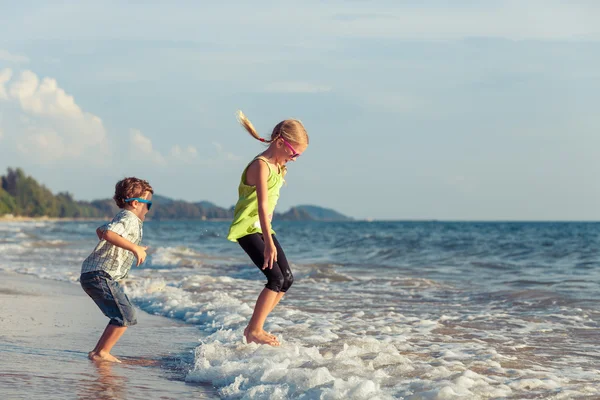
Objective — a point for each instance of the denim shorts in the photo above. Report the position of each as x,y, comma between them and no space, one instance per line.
109,297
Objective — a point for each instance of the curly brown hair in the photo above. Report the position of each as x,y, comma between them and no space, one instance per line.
130,187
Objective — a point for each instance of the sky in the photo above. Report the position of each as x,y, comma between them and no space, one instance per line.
451,110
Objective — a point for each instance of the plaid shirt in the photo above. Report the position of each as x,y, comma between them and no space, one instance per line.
110,258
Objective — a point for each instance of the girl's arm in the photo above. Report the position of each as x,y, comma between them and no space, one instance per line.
257,175
119,241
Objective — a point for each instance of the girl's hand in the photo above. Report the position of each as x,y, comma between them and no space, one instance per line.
140,253
100,233
270,255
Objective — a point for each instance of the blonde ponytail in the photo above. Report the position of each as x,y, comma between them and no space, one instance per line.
291,130
245,122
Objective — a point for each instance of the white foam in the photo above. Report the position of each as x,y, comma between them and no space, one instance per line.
259,371
173,256
535,383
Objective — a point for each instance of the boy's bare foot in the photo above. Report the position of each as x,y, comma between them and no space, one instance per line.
261,337
102,356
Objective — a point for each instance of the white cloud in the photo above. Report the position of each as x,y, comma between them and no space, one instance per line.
45,97
5,76
13,58
296,87
47,124
44,144
191,155
187,155
142,148
224,155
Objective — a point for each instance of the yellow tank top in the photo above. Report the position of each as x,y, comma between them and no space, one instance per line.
245,218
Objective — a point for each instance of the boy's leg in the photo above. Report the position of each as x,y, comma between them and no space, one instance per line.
115,304
109,338
101,340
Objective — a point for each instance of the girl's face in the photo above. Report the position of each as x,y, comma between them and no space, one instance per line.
289,151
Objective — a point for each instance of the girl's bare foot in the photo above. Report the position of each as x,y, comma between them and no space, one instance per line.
260,337
265,332
270,335
102,356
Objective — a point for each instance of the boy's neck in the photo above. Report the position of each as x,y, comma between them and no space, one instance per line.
131,210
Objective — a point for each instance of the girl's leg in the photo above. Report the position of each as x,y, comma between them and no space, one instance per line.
255,331
286,272
265,303
254,246
276,300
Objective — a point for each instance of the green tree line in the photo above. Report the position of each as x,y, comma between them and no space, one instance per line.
21,195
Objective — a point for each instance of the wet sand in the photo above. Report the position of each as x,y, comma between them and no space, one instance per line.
48,327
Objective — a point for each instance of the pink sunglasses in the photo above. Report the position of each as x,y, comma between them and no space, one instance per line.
294,154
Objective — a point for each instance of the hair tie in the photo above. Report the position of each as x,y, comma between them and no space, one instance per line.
262,140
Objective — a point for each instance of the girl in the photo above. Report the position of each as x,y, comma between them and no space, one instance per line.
251,226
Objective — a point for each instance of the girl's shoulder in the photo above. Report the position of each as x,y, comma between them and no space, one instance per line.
256,165
259,161
259,168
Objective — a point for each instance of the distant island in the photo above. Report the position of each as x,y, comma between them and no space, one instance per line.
23,196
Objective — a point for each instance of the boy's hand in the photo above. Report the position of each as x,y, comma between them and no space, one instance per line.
140,253
117,240
100,233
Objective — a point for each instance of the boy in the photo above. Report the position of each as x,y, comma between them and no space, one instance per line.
111,260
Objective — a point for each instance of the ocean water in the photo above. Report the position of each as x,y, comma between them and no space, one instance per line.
378,310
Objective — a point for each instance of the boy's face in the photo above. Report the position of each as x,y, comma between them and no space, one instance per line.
141,209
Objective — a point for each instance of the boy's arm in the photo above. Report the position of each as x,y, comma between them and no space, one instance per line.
100,231
119,241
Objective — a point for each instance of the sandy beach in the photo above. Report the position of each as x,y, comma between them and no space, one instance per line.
47,328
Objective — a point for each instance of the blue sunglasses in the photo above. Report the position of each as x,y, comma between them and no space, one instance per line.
147,202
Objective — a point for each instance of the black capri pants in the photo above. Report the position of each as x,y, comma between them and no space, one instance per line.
279,278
